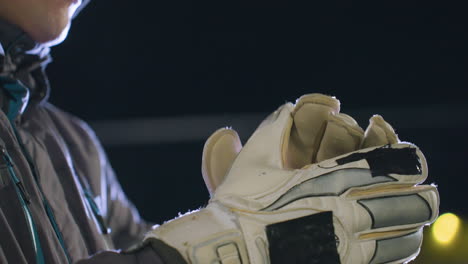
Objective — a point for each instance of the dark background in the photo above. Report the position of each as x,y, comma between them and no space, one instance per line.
170,59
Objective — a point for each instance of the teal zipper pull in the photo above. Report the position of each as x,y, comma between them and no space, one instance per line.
97,213
18,183
23,192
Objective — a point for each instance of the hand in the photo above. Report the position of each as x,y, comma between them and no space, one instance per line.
310,186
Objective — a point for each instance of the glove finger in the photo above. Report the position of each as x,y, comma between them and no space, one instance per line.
342,135
310,118
400,209
379,133
395,222
219,153
355,175
402,162
397,249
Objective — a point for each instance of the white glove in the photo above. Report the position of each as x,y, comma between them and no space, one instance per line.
309,186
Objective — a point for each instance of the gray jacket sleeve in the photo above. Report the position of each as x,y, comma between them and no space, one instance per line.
121,216
144,255
127,227
152,252
115,210
98,177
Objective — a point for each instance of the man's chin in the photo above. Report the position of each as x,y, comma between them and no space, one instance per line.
50,36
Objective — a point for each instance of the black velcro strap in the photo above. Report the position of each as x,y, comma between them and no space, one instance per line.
306,240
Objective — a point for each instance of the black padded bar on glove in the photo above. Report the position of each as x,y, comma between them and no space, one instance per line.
386,160
306,240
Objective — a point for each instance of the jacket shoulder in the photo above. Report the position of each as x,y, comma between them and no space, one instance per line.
71,125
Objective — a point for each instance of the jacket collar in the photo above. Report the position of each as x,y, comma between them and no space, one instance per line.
24,60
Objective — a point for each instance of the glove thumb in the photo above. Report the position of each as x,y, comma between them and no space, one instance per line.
219,153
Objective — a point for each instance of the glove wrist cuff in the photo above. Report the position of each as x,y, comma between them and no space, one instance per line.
209,235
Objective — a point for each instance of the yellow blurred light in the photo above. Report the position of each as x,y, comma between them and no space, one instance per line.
445,228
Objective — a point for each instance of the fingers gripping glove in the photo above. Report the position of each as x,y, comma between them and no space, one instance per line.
309,186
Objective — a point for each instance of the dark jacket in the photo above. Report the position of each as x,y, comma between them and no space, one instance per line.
59,198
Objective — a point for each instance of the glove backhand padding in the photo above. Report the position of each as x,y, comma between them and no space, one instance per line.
309,185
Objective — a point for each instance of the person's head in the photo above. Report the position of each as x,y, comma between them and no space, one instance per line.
45,21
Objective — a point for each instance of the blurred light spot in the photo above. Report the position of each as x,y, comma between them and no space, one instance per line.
445,228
